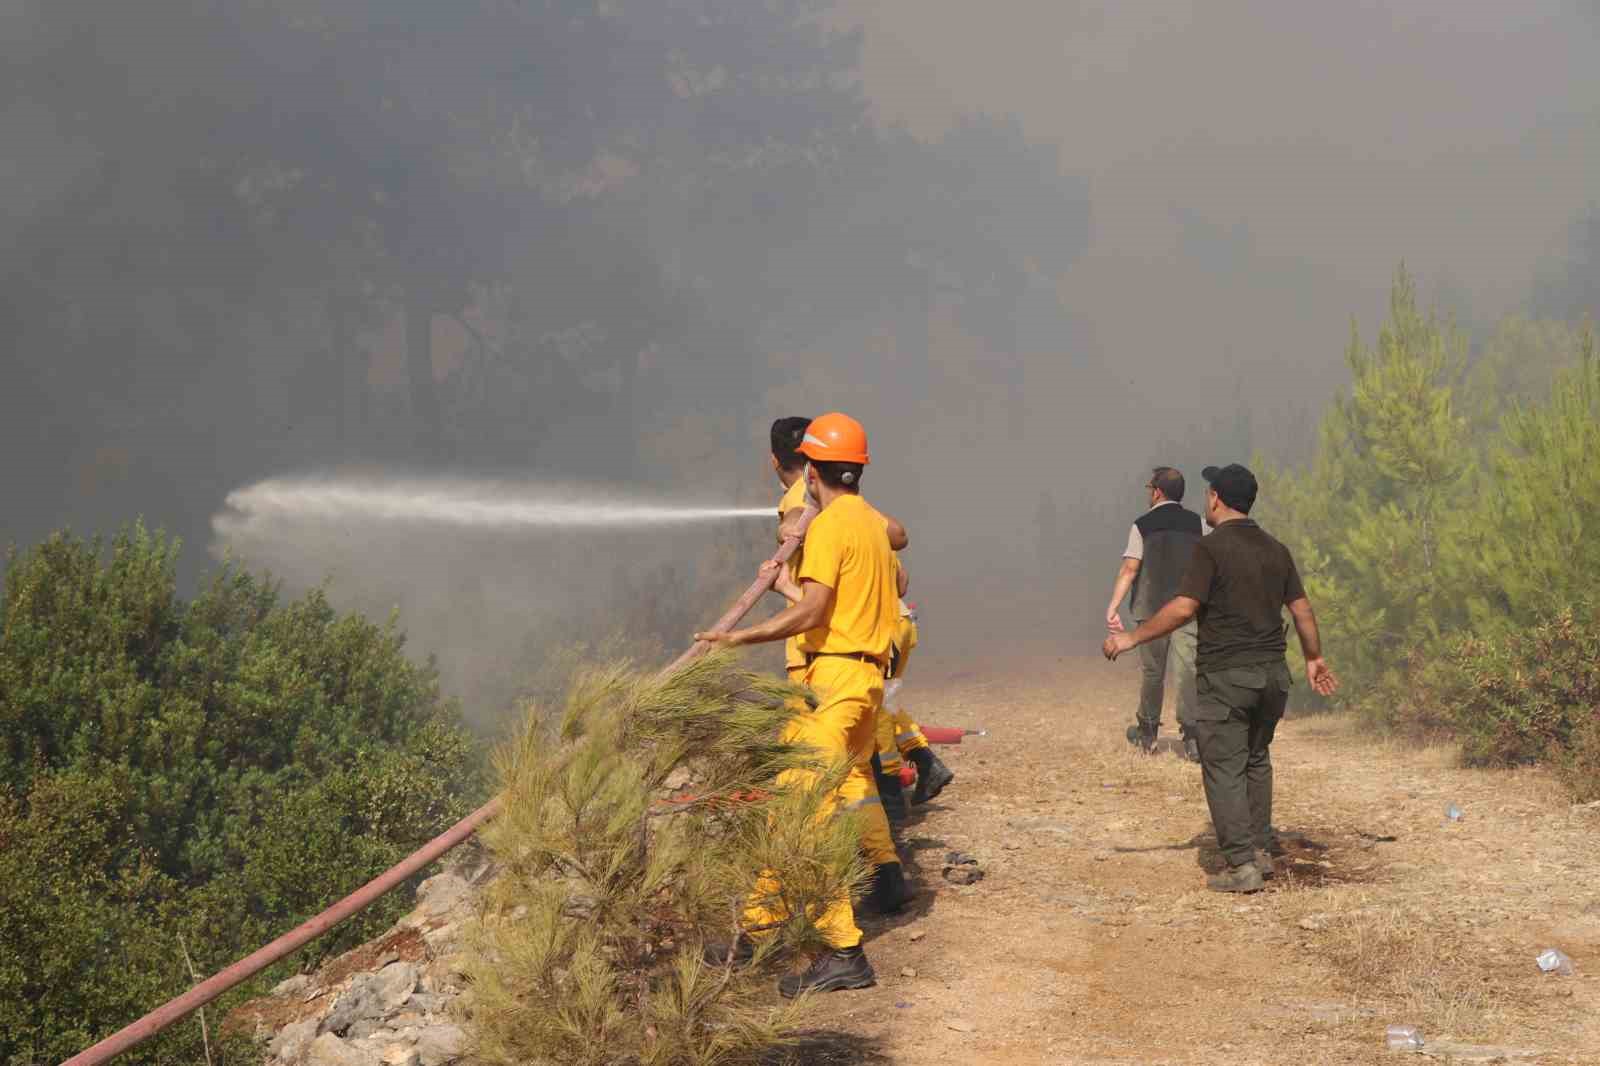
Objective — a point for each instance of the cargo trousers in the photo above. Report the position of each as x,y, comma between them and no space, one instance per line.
1238,712
841,728
1178,651
877,838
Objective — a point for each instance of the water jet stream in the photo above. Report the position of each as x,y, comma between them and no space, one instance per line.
479,504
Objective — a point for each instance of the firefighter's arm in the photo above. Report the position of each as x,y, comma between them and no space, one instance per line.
789,524
898,537
783,581
816,600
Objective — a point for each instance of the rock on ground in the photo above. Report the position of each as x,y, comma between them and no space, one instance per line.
386,1003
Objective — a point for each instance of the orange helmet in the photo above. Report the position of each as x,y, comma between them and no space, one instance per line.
835,438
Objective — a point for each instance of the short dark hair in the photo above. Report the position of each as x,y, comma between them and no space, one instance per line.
839,475
1169,481
787,433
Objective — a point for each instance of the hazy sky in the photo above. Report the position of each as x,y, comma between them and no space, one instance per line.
1460,134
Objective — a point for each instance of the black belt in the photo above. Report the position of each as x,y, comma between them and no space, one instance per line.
859,656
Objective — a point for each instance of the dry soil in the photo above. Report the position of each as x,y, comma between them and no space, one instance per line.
1091,938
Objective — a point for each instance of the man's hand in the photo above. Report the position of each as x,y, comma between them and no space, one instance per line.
783,583
787,586
1116,644
732,638
1320,676
1114,619
789,524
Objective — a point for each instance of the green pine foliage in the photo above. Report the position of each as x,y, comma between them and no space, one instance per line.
636,824
1366,520
1448,528
216,769
1531,537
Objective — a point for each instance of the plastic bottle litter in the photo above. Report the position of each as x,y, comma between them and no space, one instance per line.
1453,813
891,689
1403,1038
1553,960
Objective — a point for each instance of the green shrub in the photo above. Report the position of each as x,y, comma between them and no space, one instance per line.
1515,697
217,769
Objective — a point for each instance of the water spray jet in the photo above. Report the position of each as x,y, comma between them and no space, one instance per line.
488,505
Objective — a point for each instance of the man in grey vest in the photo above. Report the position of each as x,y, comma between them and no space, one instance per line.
1159,546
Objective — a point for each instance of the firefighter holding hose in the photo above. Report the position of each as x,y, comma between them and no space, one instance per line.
845,619
888,891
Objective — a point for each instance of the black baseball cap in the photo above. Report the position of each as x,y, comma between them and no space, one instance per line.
1235,485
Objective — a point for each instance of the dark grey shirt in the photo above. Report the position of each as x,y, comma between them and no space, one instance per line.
1243,578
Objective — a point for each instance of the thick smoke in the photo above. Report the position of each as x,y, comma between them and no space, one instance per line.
1035,248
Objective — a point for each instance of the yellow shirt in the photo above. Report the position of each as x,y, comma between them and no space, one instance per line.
847,549
794,499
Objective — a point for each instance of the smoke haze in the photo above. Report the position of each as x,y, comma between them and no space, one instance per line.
1035,247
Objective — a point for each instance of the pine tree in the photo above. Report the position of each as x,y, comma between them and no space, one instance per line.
1368,518
1530,542
635,828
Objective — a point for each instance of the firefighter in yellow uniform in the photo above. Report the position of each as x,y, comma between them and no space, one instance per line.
846,619
790,466
888,892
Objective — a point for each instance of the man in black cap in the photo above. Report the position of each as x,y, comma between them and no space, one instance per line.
1159,546
1238,582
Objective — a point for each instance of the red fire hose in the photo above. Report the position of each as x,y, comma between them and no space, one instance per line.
258,960
252,964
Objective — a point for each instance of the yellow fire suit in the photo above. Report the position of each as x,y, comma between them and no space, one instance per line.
847,550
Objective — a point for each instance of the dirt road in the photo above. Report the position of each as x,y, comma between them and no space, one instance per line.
1091,938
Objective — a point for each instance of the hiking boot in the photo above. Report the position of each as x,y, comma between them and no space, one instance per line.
741,953
932,775
1246,878
846,968
889,892
1144,736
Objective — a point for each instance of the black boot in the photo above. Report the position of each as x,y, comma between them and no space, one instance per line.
932,775
846,968
890,791
888,892
893,795
1145,736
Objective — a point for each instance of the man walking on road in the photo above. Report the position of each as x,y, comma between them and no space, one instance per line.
1159,546
1237,583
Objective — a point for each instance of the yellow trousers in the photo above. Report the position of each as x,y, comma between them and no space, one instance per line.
877,840
849,694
